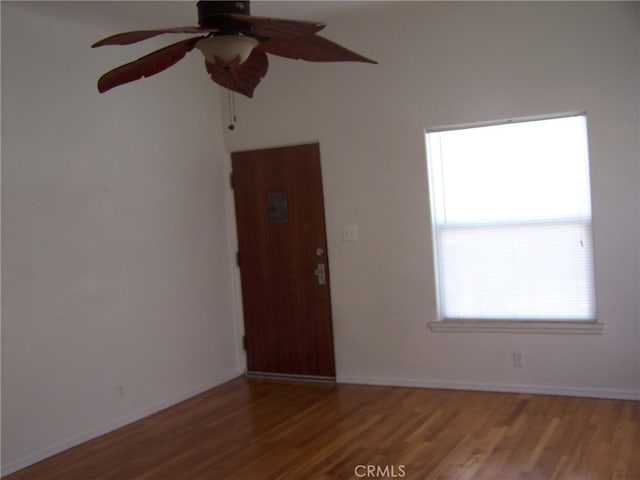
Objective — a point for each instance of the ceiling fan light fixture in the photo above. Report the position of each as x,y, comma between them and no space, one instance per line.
235,46
226,48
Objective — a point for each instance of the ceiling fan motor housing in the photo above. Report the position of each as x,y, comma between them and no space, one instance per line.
209,12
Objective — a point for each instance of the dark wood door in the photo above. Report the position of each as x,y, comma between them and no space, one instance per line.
283,261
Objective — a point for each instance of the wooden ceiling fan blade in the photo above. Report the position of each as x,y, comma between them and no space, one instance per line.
274,27
127,38
242,78
312,48
146,66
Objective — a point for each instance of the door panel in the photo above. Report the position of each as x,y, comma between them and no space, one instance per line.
282,241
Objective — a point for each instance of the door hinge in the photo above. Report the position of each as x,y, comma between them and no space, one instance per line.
231,181
238,259
244,342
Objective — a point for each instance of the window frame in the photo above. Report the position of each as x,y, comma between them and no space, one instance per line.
444,324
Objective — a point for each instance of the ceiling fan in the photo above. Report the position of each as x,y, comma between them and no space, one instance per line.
234,44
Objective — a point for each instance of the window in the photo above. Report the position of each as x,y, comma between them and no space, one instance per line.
511,215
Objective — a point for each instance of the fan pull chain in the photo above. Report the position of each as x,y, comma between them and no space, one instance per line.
232,110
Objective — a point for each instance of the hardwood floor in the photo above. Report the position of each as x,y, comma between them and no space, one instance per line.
262,429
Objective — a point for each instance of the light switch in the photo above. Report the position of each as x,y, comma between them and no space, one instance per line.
349,233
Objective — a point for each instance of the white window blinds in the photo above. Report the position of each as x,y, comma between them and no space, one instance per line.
512,221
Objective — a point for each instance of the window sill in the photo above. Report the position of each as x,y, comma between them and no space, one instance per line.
487,326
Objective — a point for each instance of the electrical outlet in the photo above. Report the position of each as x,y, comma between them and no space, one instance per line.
518,361
121,393
350,233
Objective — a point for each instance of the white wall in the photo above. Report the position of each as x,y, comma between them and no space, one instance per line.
445,64
115,252
638,139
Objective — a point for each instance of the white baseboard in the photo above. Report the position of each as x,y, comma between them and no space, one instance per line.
58,447
618,394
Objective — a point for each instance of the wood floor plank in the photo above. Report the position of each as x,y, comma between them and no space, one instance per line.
258,429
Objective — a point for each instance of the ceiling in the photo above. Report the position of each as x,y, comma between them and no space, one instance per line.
305,10
128,15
